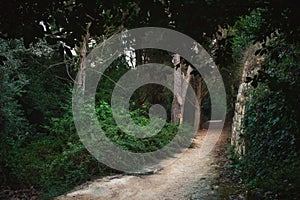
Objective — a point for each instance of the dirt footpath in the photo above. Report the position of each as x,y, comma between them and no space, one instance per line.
187,178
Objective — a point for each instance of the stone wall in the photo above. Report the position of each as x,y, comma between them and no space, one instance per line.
251,65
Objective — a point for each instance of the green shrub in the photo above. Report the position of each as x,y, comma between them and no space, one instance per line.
271,126
271,121
245,32
129,142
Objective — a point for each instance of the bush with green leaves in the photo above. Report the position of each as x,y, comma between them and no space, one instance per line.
38,143
55,162
269,134
127,141
46,152
60,161
14,126
245,31
271,121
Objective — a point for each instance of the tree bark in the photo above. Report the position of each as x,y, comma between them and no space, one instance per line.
181,83
82,55
200,93
177,101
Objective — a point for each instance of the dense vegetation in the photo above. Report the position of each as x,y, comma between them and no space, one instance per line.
39,146
270,164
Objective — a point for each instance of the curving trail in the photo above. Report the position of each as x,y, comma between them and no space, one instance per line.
187,178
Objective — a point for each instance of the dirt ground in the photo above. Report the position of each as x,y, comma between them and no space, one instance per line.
188,177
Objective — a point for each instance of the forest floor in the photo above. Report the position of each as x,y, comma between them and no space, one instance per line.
188,177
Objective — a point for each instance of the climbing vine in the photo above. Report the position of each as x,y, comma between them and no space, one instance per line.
270,125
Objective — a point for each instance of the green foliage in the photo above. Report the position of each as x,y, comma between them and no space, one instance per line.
245,31
14,125
138,112
12,80
55,162
39,144
229,46
271,121
68,162
129,142
270,127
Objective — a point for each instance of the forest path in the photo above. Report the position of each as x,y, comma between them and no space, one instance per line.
188,177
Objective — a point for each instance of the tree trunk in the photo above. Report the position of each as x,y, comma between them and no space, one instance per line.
199,94
177,100
181,83
82,55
